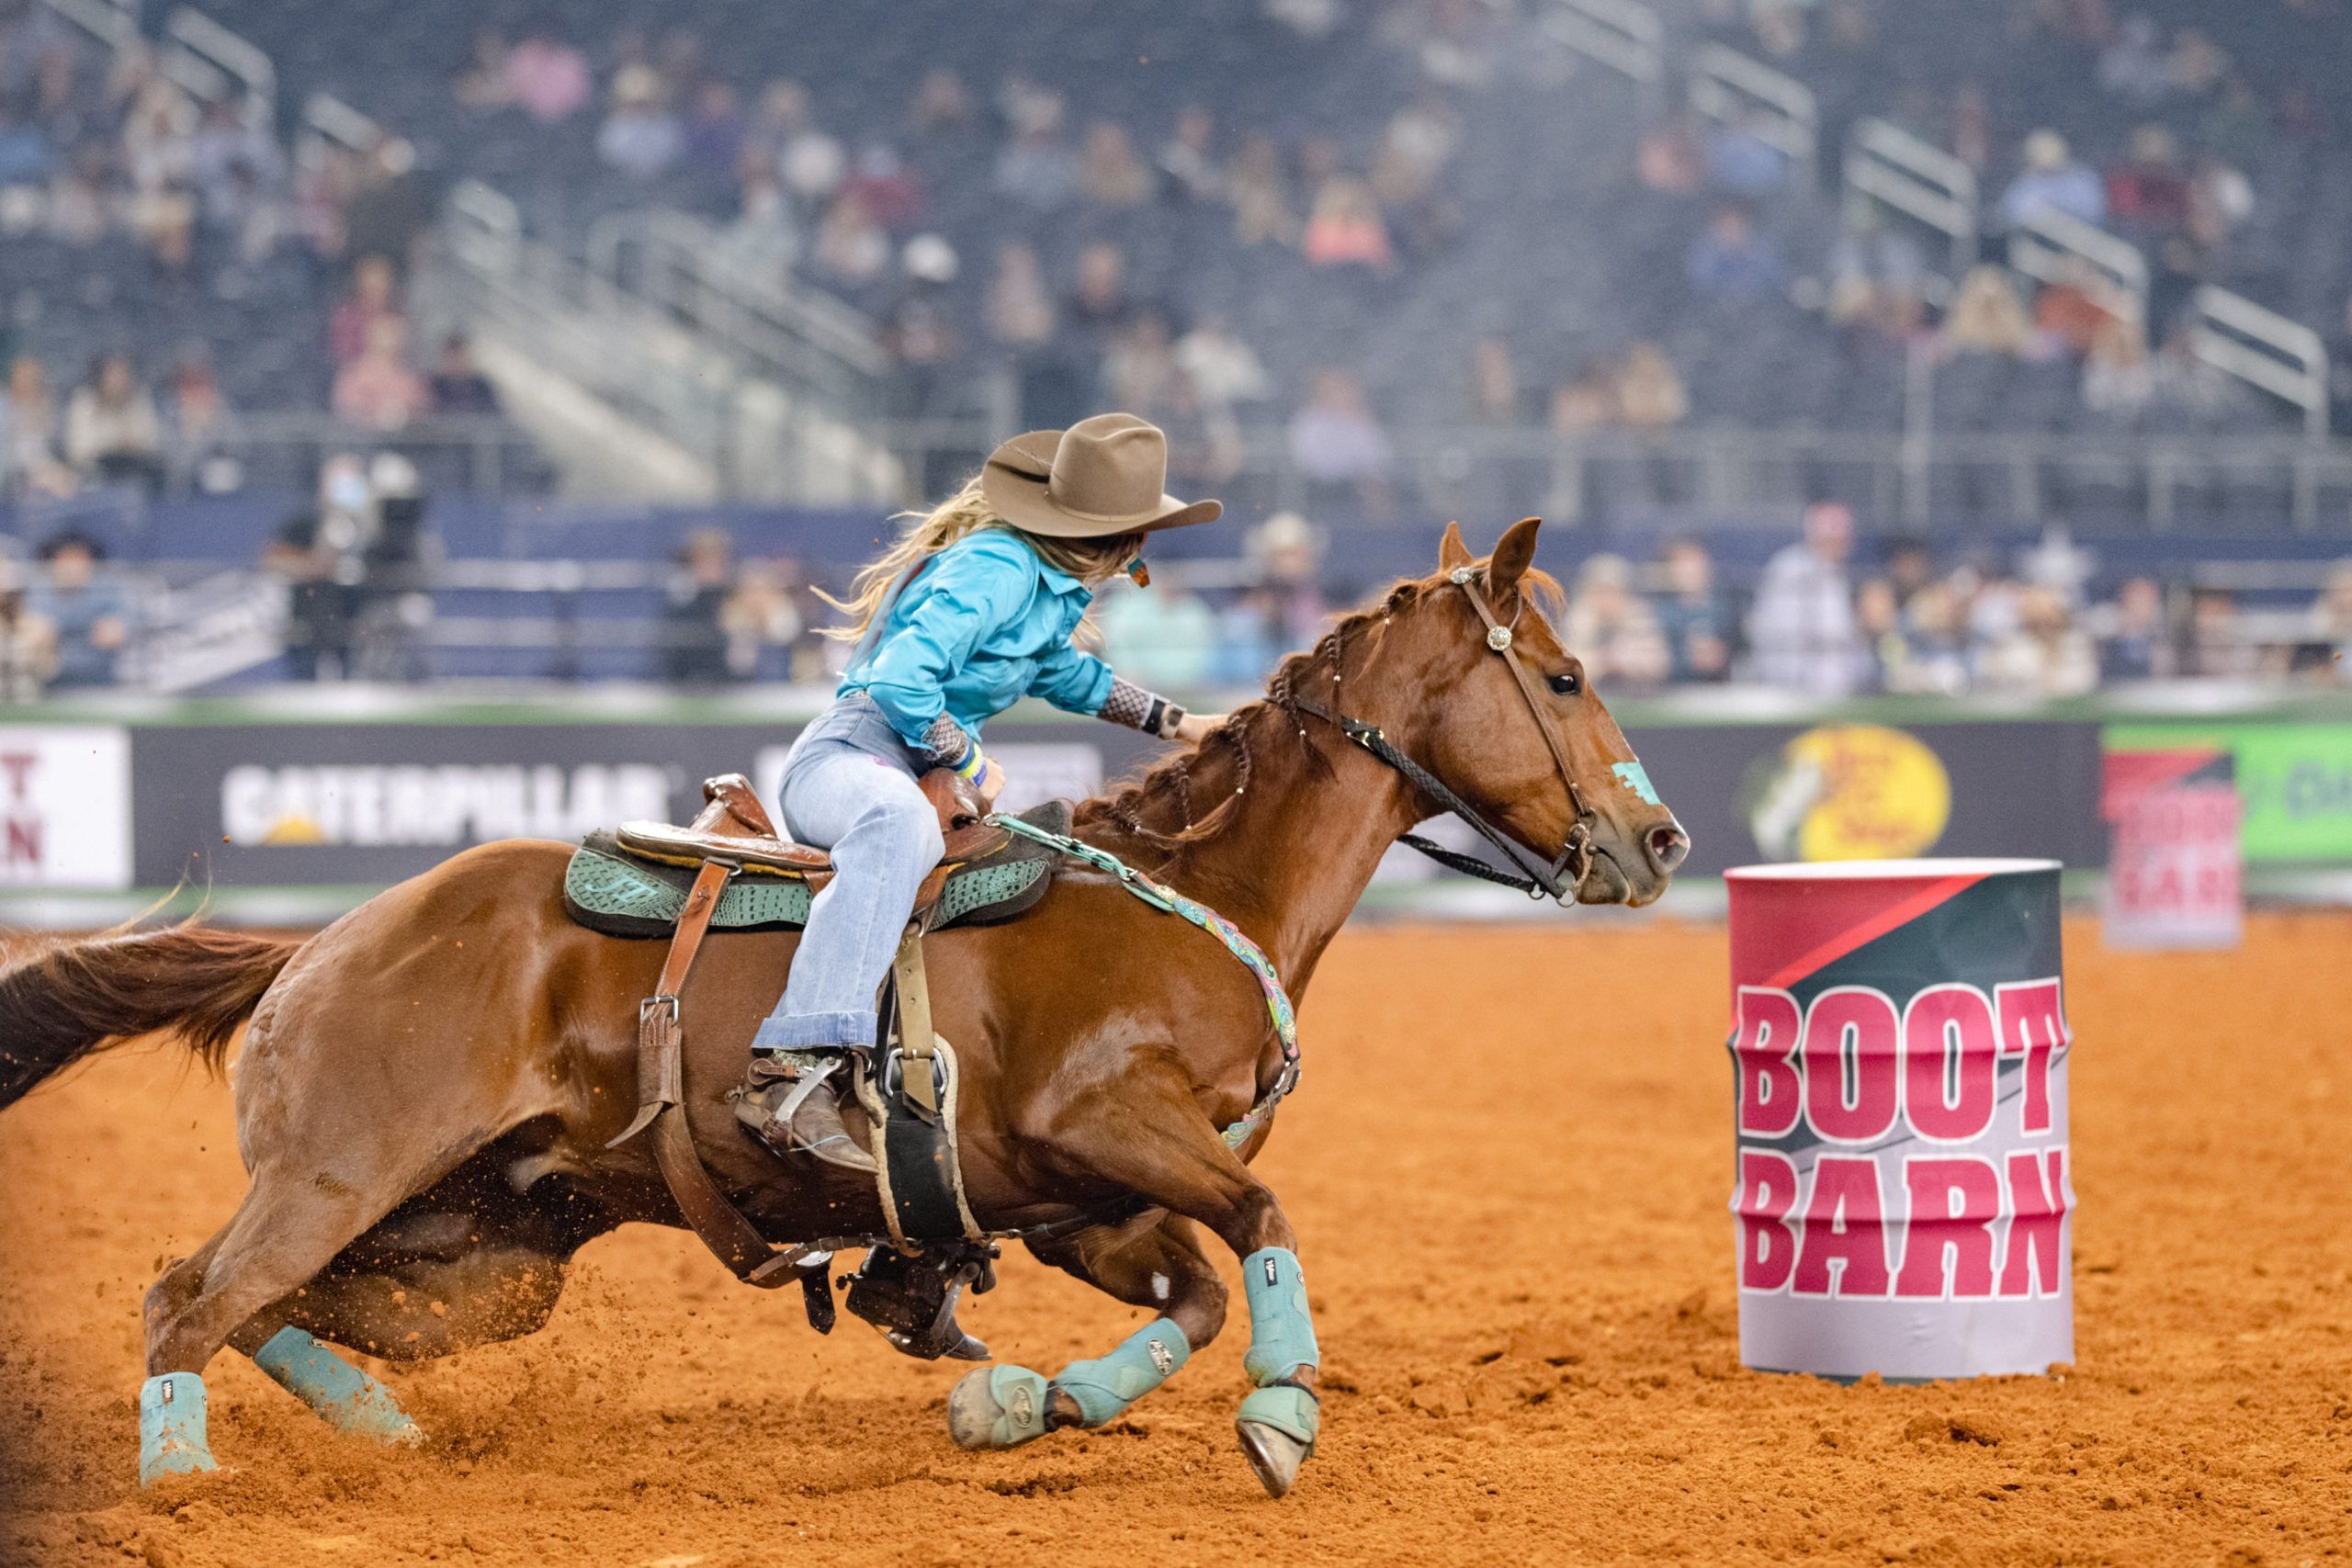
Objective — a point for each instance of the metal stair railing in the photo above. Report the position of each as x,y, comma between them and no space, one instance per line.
196,48
115,25
2265,350
806,342
2049,247
1894,169
1723,83
601,337
1625,36
328,122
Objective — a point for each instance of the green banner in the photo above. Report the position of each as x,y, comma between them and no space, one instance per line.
2295,781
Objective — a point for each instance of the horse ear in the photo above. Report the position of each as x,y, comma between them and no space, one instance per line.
1451,551
1512,557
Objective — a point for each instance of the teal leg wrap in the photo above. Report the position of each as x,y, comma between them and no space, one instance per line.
345,1397
1103,1388
1292,1411
1282,1331
171,1427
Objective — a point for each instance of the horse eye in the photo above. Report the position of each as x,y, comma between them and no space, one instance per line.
1567,685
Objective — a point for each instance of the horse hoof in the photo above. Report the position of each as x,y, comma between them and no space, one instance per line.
1274,1457
968,1349
1279,1425
997,1407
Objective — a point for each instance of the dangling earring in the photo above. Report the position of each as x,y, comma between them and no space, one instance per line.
1139,573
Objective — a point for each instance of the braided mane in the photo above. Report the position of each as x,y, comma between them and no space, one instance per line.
1224,760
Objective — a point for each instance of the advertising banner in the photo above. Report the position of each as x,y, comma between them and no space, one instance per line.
1902,1196
2294,781
2174,870
1851,791
354,805
367,805
65,805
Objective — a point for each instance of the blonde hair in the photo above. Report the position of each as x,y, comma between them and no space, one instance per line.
1091,561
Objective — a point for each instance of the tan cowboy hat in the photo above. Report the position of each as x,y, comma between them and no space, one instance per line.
1102,476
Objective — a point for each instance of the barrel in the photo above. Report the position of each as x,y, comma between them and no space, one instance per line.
1902,1193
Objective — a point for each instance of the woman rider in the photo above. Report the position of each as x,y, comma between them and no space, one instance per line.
973,608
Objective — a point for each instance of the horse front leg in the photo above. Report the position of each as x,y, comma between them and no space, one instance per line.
1156,1265
1146,1131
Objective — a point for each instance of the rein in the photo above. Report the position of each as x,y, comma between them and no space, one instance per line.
1556,880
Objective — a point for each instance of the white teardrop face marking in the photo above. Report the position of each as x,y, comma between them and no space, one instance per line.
1159,1287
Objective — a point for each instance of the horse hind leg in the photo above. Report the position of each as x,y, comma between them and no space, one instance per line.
296,1219
1004,1407
466,1264
285,1231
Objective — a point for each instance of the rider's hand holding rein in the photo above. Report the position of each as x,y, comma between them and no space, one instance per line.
1193,727
971,609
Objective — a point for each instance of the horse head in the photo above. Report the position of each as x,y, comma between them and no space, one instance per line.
1533,748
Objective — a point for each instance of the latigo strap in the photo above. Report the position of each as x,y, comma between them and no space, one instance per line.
660,1087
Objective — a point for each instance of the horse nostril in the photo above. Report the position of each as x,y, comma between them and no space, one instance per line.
1667,846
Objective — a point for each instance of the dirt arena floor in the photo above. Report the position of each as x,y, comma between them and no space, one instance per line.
1508,1163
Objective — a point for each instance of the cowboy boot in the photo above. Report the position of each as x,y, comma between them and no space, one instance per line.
791,1101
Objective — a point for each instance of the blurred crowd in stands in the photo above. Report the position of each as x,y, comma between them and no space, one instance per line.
1819,621
1342,246
1323,227
151,241
2202,160
1830,614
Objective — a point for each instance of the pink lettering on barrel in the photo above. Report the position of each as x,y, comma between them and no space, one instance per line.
1766,1040
1948,1050
1844,1222
1948,1242
18,766
1768,1190
2036,1264
2034,1025
1851,1087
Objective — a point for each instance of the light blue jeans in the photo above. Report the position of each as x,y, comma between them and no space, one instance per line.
849,787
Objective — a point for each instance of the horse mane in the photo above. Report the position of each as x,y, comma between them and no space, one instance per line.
1231,747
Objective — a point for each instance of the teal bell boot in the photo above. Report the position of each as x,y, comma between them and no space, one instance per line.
171,1427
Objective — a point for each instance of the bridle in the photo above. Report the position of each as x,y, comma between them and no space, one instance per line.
1558,879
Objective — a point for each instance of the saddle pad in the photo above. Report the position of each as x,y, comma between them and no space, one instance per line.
610,892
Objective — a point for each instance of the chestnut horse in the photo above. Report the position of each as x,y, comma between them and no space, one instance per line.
427,1087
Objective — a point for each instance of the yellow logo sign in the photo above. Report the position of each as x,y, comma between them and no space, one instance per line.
1849,791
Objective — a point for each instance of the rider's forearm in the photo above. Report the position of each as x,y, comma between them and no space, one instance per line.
1130,705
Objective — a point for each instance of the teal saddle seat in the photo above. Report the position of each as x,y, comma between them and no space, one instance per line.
620,890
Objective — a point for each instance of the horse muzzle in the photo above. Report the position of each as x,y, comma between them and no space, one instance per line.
1633,868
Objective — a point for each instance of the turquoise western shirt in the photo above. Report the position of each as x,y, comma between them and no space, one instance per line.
982,624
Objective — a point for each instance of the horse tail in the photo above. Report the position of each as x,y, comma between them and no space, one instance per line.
69,999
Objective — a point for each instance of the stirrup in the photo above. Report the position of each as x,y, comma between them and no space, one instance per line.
772,1123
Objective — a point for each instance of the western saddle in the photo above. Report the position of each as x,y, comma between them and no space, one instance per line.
985,874
733,826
